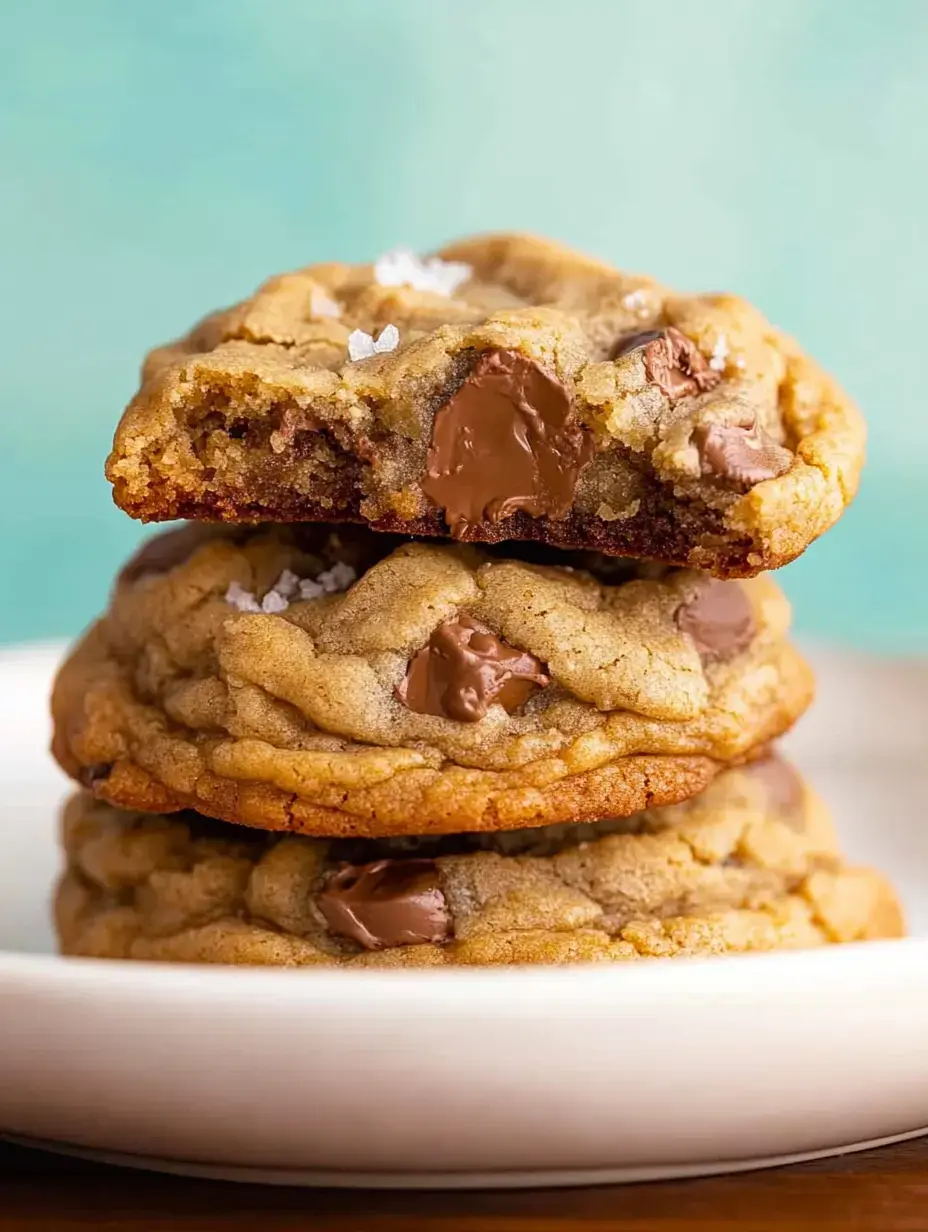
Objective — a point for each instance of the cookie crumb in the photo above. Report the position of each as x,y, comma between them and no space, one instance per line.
608,514
401,267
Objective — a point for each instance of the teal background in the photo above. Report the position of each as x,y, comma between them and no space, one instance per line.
161,157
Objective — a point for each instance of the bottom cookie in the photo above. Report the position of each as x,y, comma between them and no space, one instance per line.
751,864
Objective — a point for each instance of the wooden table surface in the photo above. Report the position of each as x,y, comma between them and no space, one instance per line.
884,1190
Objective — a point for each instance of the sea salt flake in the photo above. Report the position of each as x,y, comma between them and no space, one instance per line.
719,353
329,582
238,597
288,584
388,340
634,301
320,305
273,603
310,589
363,346
403,268
339,577
360,345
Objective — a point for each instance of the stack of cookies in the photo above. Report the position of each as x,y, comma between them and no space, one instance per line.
466,653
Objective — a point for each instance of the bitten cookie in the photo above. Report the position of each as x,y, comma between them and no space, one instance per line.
752,864
507,389
339,683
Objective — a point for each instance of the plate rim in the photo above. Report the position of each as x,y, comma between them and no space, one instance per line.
717,973
503,1178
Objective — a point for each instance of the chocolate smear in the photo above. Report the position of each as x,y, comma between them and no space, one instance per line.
507,440
743,454
671,362
387,903
719,619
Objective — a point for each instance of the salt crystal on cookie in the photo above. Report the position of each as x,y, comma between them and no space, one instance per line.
401,268
363,346
320,305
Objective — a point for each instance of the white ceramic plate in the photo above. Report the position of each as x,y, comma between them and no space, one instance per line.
437,1078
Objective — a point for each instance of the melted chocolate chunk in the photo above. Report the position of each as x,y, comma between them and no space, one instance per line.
743,454
783,786
671,362
719,619
388,903
464,669
508,439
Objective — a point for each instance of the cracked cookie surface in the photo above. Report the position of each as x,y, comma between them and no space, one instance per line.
342,683
751,864
512,389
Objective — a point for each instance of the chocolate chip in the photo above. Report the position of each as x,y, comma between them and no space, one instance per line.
744,454
508,439
464,669
783,787
671,362
719,619
168,550
388,903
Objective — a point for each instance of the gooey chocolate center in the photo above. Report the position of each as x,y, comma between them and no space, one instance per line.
507,440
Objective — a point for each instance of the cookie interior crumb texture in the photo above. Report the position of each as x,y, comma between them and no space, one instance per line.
349,683
751,864
506,389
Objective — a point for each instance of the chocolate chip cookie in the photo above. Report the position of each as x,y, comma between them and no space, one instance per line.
750,864
344,683
508,389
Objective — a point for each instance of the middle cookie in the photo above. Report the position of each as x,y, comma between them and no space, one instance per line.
347,683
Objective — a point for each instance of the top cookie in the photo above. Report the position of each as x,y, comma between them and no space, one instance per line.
508,389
